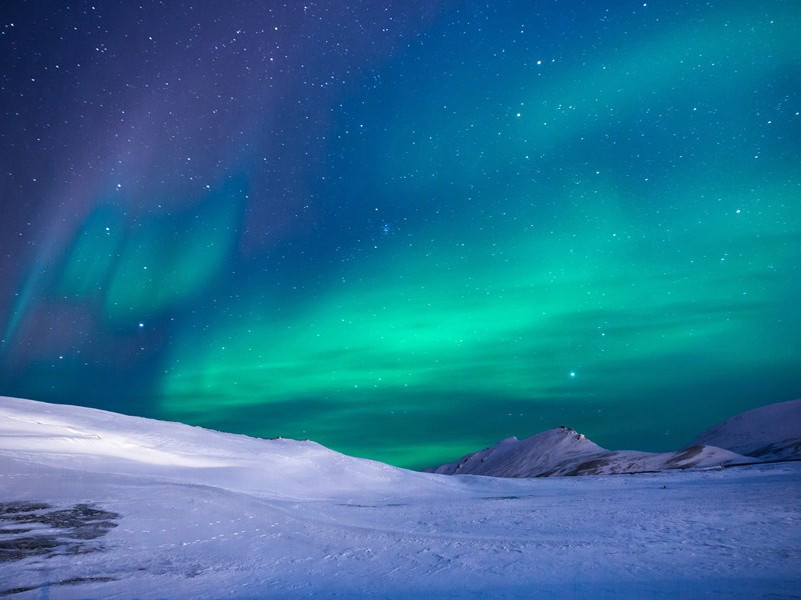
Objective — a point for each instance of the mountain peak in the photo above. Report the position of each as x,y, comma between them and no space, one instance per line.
512,457
766,433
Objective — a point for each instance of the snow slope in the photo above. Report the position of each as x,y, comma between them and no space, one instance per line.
563,451
768,432
98,505
105,442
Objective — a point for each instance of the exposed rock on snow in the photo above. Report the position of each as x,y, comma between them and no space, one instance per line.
33,529
564,451
768,432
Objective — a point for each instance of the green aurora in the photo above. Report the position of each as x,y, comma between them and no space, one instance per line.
505,228
612,289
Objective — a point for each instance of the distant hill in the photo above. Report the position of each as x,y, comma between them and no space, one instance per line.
769,432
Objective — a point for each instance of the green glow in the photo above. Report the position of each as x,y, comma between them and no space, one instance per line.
592,274
504,123
600,298
485,220
93,254
607,239
159,268
143,268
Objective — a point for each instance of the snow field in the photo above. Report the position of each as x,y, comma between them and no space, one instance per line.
235,517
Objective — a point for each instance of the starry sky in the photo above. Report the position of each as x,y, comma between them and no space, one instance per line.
405,230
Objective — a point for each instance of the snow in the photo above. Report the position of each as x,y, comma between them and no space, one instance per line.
564,451
768,432
106,442
135,508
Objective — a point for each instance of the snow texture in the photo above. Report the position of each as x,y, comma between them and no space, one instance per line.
99,505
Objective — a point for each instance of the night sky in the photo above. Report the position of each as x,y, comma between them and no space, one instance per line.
404,230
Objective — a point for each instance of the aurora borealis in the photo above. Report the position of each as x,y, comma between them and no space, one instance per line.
404,230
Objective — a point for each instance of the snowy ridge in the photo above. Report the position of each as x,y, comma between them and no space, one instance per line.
769,432
564,451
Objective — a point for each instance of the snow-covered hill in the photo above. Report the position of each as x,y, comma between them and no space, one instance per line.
563,451
768,432
98,505
104,442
